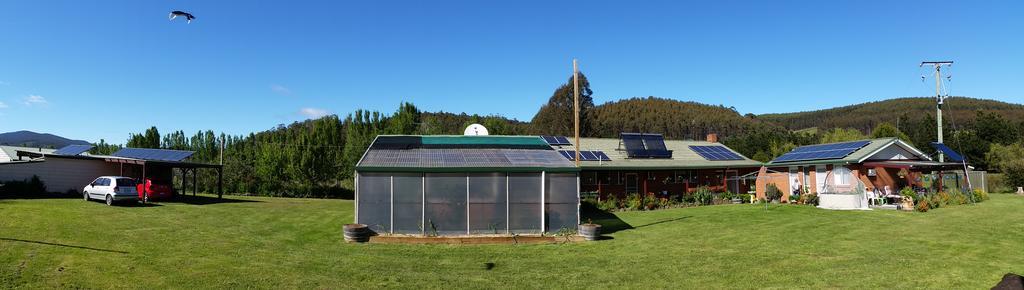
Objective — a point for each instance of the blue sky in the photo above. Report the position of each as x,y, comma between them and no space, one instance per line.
101,70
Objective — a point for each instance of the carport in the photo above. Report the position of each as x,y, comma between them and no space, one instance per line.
142,163
153,168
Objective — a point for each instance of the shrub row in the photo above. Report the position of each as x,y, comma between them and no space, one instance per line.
927,201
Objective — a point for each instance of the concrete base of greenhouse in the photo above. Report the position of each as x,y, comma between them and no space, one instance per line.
473,240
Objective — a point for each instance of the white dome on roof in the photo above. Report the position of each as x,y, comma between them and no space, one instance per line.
475,129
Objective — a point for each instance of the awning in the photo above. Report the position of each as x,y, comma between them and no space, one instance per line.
915,164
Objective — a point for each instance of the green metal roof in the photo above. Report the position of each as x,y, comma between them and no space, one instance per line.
484,140
862,154
455,153
682,156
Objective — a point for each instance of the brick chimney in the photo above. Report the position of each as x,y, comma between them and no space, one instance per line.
712,137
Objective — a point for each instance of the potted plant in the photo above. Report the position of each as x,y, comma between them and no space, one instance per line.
590,231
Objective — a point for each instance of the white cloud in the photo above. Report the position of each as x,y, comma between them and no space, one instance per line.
35,100
281,90
2,105
313,112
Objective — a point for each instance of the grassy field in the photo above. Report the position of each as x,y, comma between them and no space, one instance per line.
296,243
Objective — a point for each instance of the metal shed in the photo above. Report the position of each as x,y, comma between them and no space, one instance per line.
465,185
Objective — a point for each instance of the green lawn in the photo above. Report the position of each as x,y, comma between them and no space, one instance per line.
296,243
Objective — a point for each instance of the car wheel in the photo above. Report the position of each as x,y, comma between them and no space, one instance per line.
85,196
110,200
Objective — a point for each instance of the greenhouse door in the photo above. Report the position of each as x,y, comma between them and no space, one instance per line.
631,183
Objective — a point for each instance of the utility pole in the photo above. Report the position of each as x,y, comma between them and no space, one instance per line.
938,97
576,107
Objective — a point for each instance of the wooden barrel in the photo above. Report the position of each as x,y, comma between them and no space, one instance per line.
356,233
590,232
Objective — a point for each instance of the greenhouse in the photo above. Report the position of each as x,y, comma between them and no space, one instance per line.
465,185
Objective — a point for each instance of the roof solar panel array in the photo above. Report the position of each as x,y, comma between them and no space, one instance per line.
556,140
72,150
821,152
585,155
154,154
716,153
645,145
462,158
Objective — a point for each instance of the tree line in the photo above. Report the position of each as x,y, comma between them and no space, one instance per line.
317,157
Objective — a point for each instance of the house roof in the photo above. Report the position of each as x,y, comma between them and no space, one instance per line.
457,153
11,152
873,147
682,156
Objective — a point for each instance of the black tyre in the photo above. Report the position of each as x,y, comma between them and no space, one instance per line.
85,195
110,200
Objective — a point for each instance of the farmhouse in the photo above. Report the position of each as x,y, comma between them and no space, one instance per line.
465,185
70,168
883,166
647,163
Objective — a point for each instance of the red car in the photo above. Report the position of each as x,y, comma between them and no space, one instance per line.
156,190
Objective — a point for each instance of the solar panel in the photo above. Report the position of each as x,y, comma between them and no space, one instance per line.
640,145
634,144
716,153
585,155
562,140
822,151
948,152
654,142
153,154
556,140
72,150
549,139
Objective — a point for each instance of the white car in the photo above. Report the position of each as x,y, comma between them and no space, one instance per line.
111,189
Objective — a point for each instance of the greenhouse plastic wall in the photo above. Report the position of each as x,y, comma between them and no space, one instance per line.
450,204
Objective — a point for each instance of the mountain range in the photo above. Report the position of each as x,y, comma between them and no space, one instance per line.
33,139
690,120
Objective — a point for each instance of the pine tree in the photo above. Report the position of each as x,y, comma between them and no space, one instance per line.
556,117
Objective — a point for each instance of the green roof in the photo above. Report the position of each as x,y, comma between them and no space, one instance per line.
682,156
483,140
456,153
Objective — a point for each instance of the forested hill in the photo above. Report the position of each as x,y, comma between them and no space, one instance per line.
675,119
864,117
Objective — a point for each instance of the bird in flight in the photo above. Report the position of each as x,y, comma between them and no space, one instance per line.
176,13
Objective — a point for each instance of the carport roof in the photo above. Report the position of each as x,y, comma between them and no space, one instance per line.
115,159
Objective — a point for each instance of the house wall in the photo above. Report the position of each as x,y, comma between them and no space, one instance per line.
59,175
779,179
665,183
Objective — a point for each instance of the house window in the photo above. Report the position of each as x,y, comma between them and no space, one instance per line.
589,178
681,176
604,178
842,174
651,175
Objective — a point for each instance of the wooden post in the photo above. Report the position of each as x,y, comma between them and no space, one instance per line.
576,108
